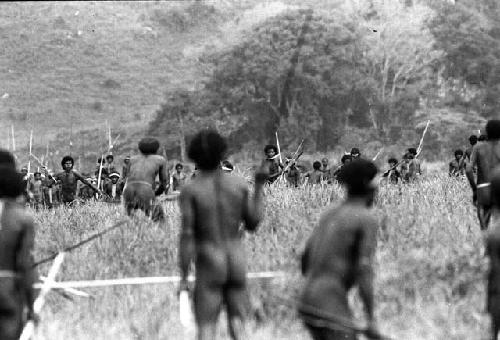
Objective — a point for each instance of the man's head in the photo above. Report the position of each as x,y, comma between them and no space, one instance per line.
482,138
114,176
7,158
346,159
149,146
355,153
24,171
270,150
493,129
358,178
207,149
110,158
473,140
412,151
324,162
458,154
100,160
317,165
179,167
67,163
11,182
37,175
392,162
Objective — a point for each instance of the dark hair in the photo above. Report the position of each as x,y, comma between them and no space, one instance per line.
110,156
7,158
412,151
357,175
459,152
37,173
392,160
473,140
317,165
179,165
270,147
11,182
355,151
493,129
148,146
67,159
482,138
345,158
207,149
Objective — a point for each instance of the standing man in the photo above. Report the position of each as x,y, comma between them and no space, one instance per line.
17,274
326,170
339,255
126,162
392,175
493,252
140,189
355,153
456,168
485,157
178,178
68,180
315,176
272,164
213,205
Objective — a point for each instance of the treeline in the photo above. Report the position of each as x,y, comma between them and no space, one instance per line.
347,72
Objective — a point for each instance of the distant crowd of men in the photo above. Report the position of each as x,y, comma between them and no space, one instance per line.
216,207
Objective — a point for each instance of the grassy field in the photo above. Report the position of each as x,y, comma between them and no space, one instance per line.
430,266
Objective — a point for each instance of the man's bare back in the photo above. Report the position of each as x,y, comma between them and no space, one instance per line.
146,167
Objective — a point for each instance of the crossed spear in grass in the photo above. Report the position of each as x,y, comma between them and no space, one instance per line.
291,161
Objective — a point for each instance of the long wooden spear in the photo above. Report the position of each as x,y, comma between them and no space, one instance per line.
420,145
30,147
100,173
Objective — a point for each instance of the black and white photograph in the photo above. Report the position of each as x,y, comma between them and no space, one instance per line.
250,170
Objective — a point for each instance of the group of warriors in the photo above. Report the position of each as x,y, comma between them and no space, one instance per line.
214,205
404,171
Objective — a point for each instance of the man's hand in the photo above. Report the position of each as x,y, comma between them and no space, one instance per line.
33,317
183,286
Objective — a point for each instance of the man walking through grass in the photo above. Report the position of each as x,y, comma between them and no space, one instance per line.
339,255
213,206
17,274
485,157
493,251
140,189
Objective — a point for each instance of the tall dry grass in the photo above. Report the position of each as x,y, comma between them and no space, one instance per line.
430,265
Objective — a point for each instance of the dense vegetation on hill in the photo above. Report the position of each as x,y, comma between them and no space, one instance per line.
335,74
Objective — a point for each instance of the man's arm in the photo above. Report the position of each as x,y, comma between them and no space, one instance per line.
253,210
163,177
367,243
84,181
186,242
24,265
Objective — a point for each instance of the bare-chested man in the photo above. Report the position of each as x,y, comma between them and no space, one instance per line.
213,206
493,251
68,180
485,157
16,263
140,189
339,255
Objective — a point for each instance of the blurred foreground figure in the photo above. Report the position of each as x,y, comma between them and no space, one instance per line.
16,263
213,205
485,157
493,251
140,189
339,255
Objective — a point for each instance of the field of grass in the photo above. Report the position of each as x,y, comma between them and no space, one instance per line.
430,268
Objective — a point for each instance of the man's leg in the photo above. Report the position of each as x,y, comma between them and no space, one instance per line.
484,216
207,306
236,299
